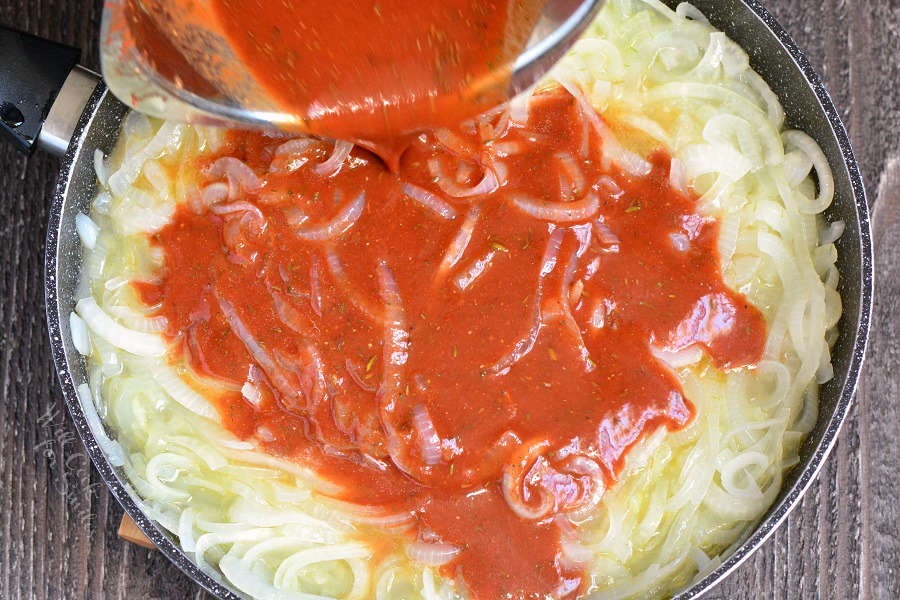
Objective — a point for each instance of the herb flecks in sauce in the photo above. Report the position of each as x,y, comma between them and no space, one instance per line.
495,415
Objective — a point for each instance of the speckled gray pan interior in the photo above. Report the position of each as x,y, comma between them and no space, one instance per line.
808,107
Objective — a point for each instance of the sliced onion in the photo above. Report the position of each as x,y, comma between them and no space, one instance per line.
488,184
608,186
453,143
294,146
184,394
354,370
458,245
464,171
251,393
428,437
111,448
396,347
729,230
265,434
678,176
429,201
582,465
100,168
136,342
81,339
686,10
559,212
569,318
214,193
504,149
334,162
519,108
288,315
87,230
680,241
483,123
572,172
609,240
102,202
551,252
501,171
137,321
433,554
237,173
832,233
500,128
315,289
255,349
680,358
373,515
627,160
583,233
356,297
526,343
513,482
395,351
343,221
224,209
137,124
475,270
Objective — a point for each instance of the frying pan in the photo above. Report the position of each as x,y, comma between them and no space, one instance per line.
47,101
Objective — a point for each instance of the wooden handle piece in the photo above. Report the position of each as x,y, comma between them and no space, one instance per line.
130,532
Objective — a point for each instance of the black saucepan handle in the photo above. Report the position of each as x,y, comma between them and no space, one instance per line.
32,72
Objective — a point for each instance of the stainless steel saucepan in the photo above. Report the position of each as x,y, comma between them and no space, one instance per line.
84,117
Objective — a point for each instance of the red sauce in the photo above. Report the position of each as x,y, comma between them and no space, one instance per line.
352,394
365,70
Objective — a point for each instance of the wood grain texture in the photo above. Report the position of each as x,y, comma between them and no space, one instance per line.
58,523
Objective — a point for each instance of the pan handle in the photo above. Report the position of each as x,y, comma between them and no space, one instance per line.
42,91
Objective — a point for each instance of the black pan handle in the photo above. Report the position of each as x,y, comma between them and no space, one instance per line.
33,71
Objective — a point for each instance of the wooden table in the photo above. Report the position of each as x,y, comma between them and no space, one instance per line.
58,522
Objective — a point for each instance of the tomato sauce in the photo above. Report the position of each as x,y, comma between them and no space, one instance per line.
478,356
368,70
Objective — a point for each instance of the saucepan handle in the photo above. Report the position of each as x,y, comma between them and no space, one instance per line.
42,91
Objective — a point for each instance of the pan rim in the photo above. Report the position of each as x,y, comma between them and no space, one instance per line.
774,517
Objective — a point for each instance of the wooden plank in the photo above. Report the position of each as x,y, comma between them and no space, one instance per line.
879,391
58,524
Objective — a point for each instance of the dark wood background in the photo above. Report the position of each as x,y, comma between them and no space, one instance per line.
58,522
